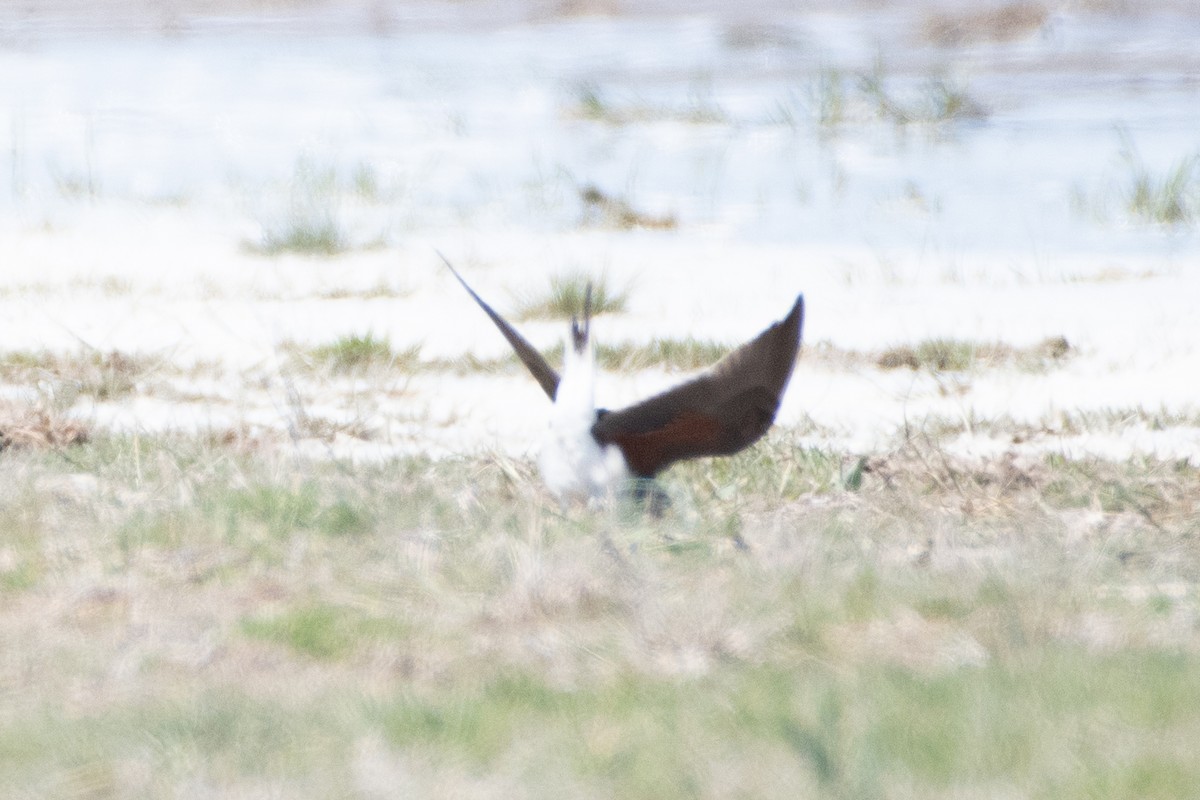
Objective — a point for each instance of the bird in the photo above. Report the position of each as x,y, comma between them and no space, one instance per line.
592,453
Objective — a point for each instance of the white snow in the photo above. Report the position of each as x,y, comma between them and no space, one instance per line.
142,165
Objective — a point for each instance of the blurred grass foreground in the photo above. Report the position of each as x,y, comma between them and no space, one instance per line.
181,617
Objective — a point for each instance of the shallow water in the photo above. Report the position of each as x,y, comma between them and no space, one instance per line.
147,165
707,120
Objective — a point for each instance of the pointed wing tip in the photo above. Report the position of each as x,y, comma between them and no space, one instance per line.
534,361
453,271
795,317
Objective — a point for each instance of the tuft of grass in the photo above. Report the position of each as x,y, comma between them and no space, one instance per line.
591,103
318,631
935,355
948,101
357,353
948,355
306,235
311,224
1170,199
940,101
837,97
566,295
321,631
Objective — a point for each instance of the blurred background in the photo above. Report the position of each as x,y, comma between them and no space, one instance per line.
208,180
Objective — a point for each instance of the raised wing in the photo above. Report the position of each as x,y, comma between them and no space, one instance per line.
531,358
719,413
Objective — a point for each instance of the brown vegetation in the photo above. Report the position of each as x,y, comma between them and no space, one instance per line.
24,427
603,210
1000,24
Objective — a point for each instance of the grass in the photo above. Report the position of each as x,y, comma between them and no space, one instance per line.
311,224
828,98
318,629
106,286
321,631
677,354
1169,199
103,376
592,103
959,355
316,235
939,101
672,354
932,355
355,353
566,295
1058,425
837,97
280,510
381,290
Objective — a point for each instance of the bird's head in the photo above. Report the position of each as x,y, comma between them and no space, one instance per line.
580,333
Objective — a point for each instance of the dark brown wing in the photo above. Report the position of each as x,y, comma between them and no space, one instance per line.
531,358
719,413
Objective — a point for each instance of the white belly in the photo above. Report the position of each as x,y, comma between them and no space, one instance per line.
574,466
